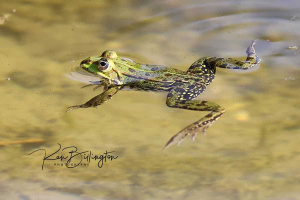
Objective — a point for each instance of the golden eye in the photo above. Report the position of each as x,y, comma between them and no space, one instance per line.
103,65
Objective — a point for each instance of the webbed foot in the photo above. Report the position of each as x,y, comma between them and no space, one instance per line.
193,129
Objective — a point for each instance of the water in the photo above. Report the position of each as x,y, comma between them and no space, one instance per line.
251,152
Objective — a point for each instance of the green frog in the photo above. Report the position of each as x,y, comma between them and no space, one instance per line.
183,87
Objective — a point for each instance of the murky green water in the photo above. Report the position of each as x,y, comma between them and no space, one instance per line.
251,152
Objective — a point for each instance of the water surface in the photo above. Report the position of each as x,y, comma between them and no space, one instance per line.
251,152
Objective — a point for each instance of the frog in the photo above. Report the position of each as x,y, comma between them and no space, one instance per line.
183,87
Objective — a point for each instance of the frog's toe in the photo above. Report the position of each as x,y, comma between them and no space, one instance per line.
72,108
194,136
179,137
205,128
76,107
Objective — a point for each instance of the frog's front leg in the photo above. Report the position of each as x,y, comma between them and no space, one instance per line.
181,97
99,99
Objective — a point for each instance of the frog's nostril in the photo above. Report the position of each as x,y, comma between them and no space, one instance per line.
86,61
83,62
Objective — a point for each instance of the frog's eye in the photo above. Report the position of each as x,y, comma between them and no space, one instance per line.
103,65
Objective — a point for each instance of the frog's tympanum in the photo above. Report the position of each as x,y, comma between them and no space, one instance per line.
118,73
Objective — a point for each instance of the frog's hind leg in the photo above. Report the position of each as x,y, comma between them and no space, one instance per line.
182,97
208,65
229,63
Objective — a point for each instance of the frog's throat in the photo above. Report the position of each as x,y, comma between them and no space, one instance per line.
103,75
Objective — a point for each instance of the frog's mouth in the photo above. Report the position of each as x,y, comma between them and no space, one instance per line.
93,68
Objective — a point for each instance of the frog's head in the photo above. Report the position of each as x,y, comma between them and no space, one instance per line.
105,65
